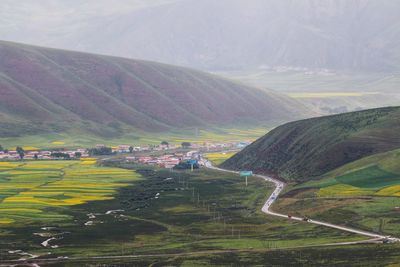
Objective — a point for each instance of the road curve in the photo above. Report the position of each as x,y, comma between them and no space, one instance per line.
279,186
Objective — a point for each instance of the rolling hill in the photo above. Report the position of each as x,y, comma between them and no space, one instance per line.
47,90
305,150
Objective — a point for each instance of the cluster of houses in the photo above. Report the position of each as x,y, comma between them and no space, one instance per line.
42,154
165,161
206,146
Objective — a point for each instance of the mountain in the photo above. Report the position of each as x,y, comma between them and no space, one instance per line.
307,149
47,90
360,35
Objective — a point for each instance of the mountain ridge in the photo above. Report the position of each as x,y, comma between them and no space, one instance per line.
46,89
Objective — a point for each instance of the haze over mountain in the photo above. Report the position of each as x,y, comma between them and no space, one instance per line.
357,35
48,90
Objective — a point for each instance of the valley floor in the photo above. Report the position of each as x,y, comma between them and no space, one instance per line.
151,212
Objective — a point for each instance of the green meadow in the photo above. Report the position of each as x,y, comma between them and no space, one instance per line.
364,194
375,175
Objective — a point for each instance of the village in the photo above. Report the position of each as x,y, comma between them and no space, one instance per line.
164,155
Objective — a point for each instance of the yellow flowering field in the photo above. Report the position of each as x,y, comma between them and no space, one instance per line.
37,190
343,190
390,191
218,158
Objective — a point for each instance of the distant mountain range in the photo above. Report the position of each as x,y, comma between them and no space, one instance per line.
358,35
306,149
47,90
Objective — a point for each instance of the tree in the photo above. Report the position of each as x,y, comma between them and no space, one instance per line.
186,144
131,149
21,152
35,156
100,151
164,143
78,155
60,155
1,148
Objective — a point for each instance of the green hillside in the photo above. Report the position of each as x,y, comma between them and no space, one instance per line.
46,91
307,149
364,194
374,175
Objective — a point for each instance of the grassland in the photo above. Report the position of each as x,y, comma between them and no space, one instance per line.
375,175
161,212
363,194
361,256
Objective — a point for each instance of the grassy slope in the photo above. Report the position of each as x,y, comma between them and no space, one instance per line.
52,91
307,149
377,175
363,194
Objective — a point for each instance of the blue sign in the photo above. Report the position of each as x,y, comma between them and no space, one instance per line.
246,173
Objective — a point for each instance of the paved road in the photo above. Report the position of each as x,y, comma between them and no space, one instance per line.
279,186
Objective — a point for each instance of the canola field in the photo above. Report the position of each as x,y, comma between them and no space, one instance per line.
219,158
35,191
378,175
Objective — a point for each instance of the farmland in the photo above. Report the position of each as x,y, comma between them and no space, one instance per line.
375,175
218,158
121,208
363,194
37,191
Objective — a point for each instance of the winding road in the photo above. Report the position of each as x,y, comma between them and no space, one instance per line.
279,186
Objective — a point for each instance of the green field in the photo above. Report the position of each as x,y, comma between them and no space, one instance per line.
375,175
159,212
363,194
40,190
359,255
